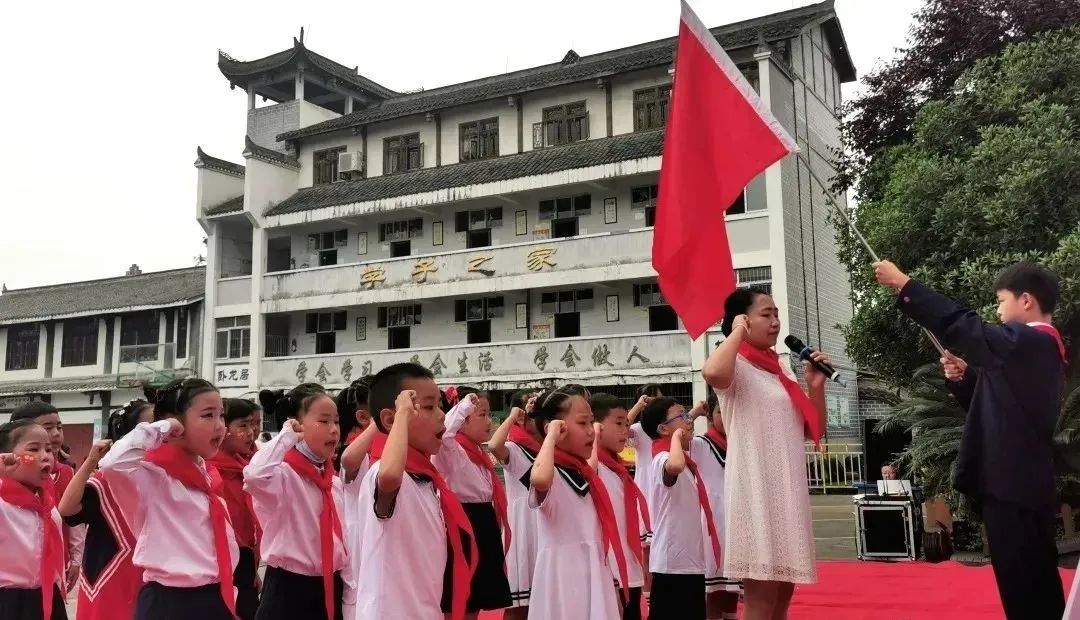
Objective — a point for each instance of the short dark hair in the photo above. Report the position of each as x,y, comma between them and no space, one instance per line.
738,302
32,410
519,399
350,399
125,419
175,398
13,431
655,414
711,401
652,390
603,404
238,409
387,385
1033,279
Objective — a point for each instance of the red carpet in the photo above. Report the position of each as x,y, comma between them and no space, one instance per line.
895,591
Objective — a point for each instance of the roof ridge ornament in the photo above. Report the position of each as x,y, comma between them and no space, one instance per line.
570,58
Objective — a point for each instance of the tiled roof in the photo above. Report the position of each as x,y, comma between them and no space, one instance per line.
148,290
539,161
656,53
232,205
214,163
85,384
269,156
240,72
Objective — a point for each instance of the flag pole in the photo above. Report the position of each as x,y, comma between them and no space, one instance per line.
831,199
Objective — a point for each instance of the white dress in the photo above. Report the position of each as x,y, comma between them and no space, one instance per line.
571,580
522,555
769,533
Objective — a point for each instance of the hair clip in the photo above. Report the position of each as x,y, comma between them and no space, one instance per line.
452,395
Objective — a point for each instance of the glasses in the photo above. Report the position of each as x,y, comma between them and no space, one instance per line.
682,416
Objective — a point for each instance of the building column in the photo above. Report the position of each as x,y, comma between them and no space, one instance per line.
299,91
348,105
206,363
258,323
774,200
251,97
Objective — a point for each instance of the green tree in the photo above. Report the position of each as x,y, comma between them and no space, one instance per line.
990,175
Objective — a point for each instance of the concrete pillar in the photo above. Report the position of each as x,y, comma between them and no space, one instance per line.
206,362
774,200
258,323
251,97
348,105
299,96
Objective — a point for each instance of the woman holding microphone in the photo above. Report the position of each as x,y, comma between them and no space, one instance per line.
769,540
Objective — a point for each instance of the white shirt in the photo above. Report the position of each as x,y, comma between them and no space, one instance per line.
171,523
642,444
678,547
402,557
469,481
288,508
21,536
350,514
617,492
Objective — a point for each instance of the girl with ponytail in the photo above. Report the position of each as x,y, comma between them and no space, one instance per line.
108,580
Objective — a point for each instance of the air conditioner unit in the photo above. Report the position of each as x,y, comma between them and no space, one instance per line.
350,165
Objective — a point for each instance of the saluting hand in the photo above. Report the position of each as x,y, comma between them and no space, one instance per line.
405,404
98,450
557,430
8,464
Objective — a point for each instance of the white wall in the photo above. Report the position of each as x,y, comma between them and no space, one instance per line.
311,114
215,188
266,185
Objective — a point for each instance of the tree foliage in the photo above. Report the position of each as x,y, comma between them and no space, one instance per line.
989,175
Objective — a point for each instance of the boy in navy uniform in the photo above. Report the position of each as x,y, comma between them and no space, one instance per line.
1010,380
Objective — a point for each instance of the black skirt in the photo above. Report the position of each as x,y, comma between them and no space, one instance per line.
288,596
631,605
247,596
677,597
489,588
158,602
25,604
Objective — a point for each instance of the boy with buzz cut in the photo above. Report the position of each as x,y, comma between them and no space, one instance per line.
407,512
1010,379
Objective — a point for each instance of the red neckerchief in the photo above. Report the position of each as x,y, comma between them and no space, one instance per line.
609,527
633,503
718,439
498,493
1052,331
664,445
457,522
329,522
241,508
180,467
42,503
521,437
378,443
769,361
353,434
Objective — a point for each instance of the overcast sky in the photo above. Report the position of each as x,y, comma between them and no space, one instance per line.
104,102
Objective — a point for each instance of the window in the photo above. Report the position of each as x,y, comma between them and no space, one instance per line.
325,326
650,107
756,278
279,254
562,125
477,225
139,337
22,346
324,165
277,335
480,139
398,321
325,245
563,214
567,306
661,316
402,153
233,337
644,198
401,230
648,295
739,206
477,315
181,333
80,342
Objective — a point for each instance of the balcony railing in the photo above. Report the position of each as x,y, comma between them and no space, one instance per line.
548,262
634,357
141,357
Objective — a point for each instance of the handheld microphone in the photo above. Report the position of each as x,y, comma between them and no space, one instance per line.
797,347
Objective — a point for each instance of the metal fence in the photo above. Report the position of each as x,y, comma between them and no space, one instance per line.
838,466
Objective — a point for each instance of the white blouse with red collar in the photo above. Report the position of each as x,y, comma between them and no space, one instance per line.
469,481
21,535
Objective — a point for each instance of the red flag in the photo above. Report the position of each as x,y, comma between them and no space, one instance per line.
719,137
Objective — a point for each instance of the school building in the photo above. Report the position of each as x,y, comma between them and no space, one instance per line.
89,347
499,231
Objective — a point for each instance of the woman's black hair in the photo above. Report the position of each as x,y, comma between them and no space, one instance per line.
239,408
738,302
175,398
284,405
13,431
124,420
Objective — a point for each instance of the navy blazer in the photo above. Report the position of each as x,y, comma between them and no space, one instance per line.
1012,391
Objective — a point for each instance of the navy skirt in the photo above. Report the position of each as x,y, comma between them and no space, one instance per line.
489,588
158,602
25,604
290,596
